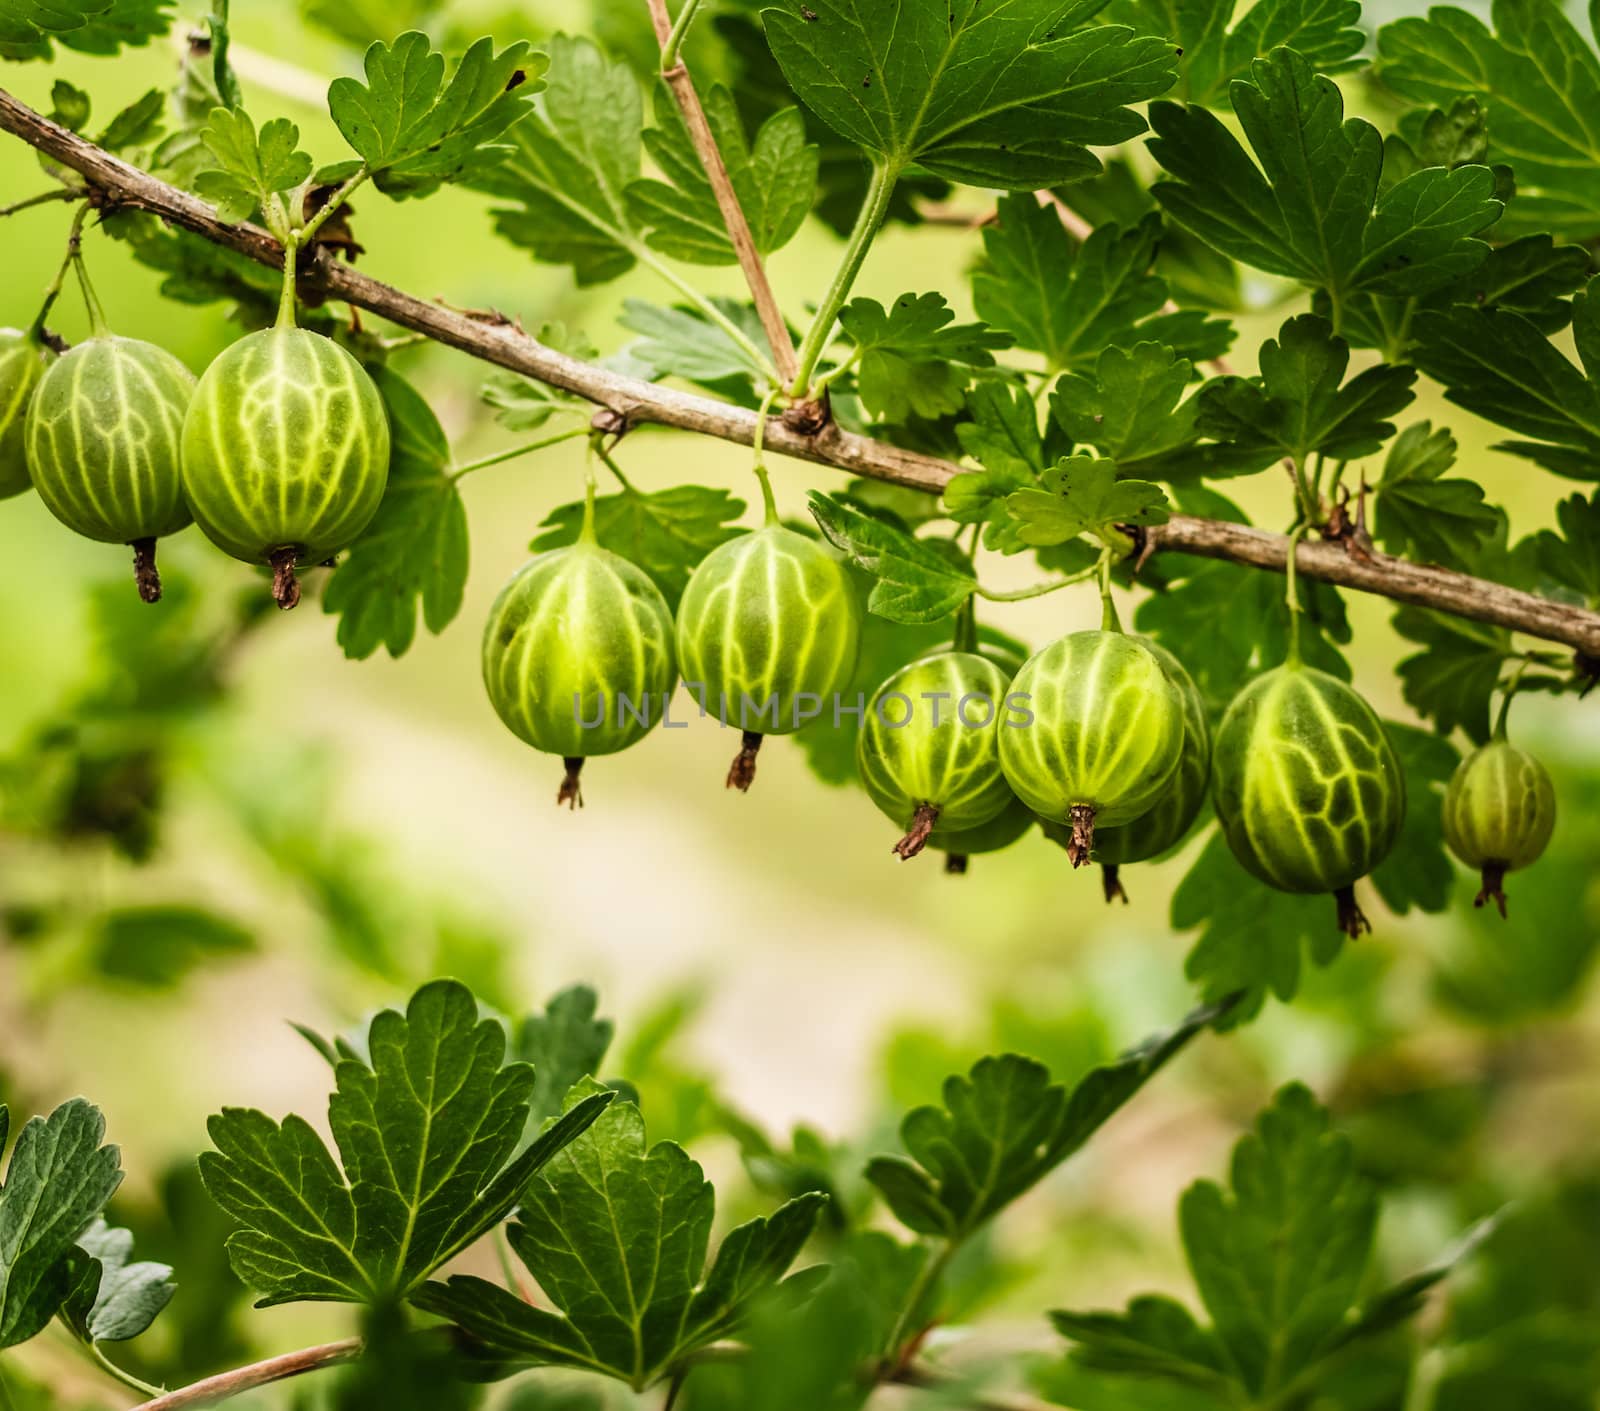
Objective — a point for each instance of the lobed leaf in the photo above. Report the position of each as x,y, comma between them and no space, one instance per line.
426,1130
252,168
914,581
1008,96
1436,519
415,551
415,131
117,1298
913,360
59,1180
1083,495
617,1235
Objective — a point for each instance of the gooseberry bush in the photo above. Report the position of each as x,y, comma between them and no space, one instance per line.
1136,183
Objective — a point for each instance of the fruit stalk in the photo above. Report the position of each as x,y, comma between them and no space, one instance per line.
145,573
569,793
916,838
742,772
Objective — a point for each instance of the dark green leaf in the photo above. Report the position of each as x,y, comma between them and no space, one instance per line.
1417,872
1215,52
1252,936
1005,1126
774,177
157,946
913,361
616,1236
59,1180
1538,80
1572,555
664,532
69,105
87,26
1071,301
1082,495
1450,681
1155,1337
1278,1259
1500,365
1301,404
415,551
137,125
1011,97
414,130
1311,210
915,582
426,1132
1435,519
571,163
563,1044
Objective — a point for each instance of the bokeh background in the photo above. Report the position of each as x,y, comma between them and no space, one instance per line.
330,833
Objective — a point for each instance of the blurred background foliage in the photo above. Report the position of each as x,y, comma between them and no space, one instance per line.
211,822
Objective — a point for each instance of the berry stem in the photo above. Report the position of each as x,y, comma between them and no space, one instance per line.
923,822
759,446
308,231
1109,621
1038,590
145,573
1507,692
53,289
291,256
587,535
513,452
1291,596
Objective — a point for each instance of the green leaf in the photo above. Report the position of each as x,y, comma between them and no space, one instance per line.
1450,681
1252,936
1572,555
157,946
86,26
1216,52
414,130
1301,404
251,169
69,105
425,1131
915,582
1082,495
521,404
682,342
570,165
1537,78
563,1044
1010,97
137,125
1499,365
1278,1259
913,361
415,551
117,1299
616,1236
1155,1337
1311,210
1417,872
664,532
59,1180
1435,519
774,177
1005,1126
1071,301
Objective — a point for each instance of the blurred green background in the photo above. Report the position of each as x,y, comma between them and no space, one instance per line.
333,832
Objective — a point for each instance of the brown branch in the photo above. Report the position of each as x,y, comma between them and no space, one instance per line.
633,402
257,1374
681,85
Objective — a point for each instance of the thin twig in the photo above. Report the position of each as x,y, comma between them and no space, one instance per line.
56,193
681,85
257,1374
634,402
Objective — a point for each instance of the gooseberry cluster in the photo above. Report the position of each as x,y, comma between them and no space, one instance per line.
280,452
1102,737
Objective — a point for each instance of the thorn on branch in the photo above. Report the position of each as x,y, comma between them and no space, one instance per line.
609,422
491,315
